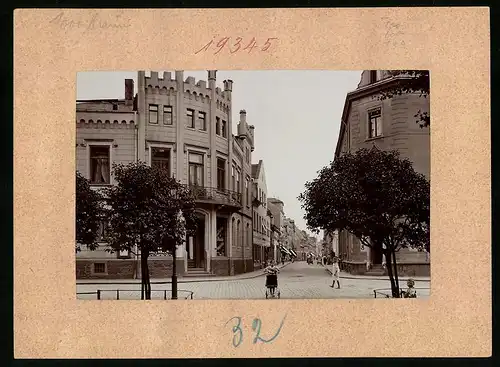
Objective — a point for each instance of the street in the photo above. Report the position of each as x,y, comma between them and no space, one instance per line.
296,281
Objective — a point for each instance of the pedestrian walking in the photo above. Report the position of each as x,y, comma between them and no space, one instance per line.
335,272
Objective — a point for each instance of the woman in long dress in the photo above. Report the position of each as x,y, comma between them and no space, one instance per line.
335,272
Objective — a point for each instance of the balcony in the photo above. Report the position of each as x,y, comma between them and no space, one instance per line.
213,195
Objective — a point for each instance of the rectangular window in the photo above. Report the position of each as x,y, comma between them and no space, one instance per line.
153,114
221,173
217,125
167,115
224,129
247,191
190,118
160,158
100,164
373,76
103,225
195,169
99,268
202,122
238,174
374,123
233,183
247,155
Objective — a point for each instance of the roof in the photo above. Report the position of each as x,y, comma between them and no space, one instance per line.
361,92
256,169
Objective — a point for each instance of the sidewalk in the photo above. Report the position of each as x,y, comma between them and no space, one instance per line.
180,279
344,275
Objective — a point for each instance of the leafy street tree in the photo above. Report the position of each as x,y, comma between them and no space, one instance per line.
376,196
89,214
411,81
150,210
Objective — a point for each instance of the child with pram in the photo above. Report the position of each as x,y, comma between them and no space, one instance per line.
272,277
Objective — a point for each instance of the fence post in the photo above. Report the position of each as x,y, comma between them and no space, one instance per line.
375,293
164,294
117,294
98,294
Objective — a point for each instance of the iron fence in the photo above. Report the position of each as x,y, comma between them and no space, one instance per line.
387,292
116,293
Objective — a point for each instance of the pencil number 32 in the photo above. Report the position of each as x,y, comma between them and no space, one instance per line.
256,327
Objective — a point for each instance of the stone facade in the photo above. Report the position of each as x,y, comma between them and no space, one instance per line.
397,130
261,217
186,127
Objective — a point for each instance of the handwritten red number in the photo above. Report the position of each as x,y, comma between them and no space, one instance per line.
237,44
267,44
251,45
221,44
204,48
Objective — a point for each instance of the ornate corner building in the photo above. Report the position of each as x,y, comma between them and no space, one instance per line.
185,127
387,124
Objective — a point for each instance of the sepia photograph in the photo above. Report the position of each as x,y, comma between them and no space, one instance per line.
252,184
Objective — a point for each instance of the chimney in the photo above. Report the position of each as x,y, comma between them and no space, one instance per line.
129,92
243,116
228,85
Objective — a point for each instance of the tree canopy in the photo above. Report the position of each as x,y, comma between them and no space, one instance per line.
412,81
89,214
150,210
375,195
145,206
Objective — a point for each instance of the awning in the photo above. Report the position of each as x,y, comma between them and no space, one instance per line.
285,250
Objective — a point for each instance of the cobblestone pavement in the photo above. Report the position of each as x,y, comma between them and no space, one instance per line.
296,281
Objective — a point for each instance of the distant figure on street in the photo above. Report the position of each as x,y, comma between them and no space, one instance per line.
272,277
410,292
335,272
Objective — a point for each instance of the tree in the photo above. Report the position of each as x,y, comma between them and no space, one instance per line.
150,210
376,196
410,81
89,214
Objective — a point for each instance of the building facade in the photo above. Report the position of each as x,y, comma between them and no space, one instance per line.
386,124
276,214
186,128
261,217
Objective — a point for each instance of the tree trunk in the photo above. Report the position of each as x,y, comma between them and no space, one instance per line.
396,278
143,276
394,287
148,280
146,285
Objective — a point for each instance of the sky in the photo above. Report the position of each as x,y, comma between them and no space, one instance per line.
296,115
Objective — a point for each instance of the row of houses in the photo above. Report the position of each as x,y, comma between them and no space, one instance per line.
387,124
186,128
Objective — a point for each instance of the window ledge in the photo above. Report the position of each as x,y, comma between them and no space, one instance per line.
375,138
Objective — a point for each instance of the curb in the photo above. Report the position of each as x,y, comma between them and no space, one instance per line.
182,280
366,277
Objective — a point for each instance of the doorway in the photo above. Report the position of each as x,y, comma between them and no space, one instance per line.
376,256
196,246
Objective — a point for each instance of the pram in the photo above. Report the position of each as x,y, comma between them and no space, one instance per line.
272,290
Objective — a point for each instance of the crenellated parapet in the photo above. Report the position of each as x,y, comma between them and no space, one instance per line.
193,90
104,123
